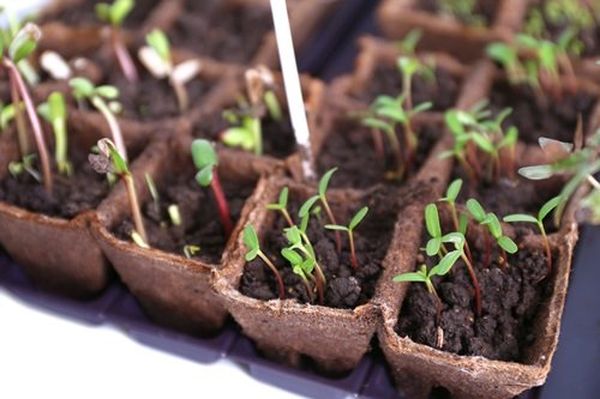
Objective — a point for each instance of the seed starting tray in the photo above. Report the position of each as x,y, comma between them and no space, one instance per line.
575,365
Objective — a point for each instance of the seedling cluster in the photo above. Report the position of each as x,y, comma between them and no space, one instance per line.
300,253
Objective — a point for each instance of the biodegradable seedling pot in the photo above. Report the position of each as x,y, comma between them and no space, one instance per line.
172,289
279,143
376,72
58,253
398,17
334,338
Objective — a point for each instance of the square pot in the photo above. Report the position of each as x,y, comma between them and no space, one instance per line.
173,290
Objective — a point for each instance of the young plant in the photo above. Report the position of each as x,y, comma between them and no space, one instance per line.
254,251
410,66
539,222
54,111
206,161
157,58
322,197
109,160
460,221
12,52
354,222
83,89
114,14
463,10
246,129
281,206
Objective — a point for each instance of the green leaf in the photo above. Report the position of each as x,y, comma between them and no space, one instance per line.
239,137
432,221
57,106
422,107
283,197
205,175
24,43
82,87
502,53
336,227
119,11
103,12
520,218
293,235
292,256
250,238
433,246
476,210
272,103
160,43
510,138
375,123
483,142
394,114
203,154
507,244
408,65
548,207
454,190
108,92
458,239
453,123
494,226
304,222
410,277
324,183
305,208
446,264
408,45
360,215
539,172
251,255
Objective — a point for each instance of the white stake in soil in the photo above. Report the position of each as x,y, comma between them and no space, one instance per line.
291,79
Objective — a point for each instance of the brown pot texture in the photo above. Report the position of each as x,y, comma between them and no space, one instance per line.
173,290
398,17
286,330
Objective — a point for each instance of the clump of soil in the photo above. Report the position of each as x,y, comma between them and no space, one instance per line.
483,8
511,298
71,196
536,117
346,287
200,223
85,13
442,92
351,148
211,28
278,137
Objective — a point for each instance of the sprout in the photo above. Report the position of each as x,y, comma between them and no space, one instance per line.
7,115
54,111
189,251
114,14
174,214
463,10
109,160
460,221
83,89
153,192
539,221
206,161
410,66
254,251
157,58
12,51
281,206
354,222
16,168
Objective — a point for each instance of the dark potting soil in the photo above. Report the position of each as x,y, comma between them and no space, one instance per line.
511,298
442,92
351,148
536,117
278,137
85,13
483,8
199,214
346,287
212,29
81,192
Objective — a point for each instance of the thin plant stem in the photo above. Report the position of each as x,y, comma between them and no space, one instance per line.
222,206
378,143
123,57
135,206
60,138
353,258
407,87
287,217
113,125
547,247
338,238
22,134
35,124
391,133
181,94
475,282
438,300
280,285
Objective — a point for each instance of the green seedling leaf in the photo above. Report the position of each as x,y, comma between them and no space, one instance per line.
82,87
324,183
433,246
205,176
108,92
491,220
408,45
422,107
539,172
251,242
336,227
548,207
476,210
446,264
293,235
160,43
508,244
203,154
119,11
410,277
292,256
358,218
453,191
520,218
282,202
306,207
239,137
375,123
432,221
57,106
191,250
174,214
24,43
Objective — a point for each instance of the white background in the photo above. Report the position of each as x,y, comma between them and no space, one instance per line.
43,356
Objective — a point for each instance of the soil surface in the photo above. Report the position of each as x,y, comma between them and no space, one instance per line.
85,13
486,9
278,137
81,192
351,148
346,287
442,92
511,298
209,28
536,117
199,213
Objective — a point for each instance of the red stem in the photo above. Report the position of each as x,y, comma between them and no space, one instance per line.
488,250
224,214
476,287
280,285
378,143
35,124
123,57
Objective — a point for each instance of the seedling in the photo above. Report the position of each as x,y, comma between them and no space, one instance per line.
491,221
246,129
463,10
254,251
189,251
54,111
83,89
460,221
157,58
322,197
410,66
385,114
435,244
16,49
206,161
153,192
114,14
354,222
26,164
174,214
109,160
281,206
539,221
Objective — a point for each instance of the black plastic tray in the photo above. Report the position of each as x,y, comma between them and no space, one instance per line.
332,52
